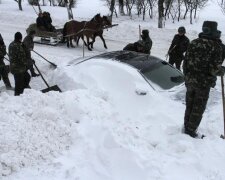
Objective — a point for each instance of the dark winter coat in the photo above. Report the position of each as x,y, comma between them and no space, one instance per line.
178,46
2,54
202,63
17,56
28,45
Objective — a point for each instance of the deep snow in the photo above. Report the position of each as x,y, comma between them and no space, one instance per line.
100,129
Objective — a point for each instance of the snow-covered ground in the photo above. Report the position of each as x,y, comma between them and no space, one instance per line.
99,129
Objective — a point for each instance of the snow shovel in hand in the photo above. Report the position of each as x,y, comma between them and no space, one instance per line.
52,88
222,85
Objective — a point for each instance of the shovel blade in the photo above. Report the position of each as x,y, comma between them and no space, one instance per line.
52,88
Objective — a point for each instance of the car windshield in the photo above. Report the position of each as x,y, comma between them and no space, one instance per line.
163,75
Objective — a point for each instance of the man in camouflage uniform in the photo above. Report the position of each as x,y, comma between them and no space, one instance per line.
143,46
18,64
3,67
201,66
178,47
221,44
28,45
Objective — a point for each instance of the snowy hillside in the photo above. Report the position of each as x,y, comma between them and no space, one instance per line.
99,129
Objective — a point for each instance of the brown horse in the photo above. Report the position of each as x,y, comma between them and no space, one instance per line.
74,29
105,22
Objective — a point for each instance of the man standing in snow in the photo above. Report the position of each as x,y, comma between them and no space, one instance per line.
18,64
202,64
28,44
3,69
178,47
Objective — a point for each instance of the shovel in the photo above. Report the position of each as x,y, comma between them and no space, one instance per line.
222,84
54,65
52,88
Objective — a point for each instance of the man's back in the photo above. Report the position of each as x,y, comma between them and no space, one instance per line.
17,57
202,62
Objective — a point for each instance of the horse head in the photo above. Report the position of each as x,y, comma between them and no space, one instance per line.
106,21
97,18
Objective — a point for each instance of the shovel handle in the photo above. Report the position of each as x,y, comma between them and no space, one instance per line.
45,59
222,85
41,75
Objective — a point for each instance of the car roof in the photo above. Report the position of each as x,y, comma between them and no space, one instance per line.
137,60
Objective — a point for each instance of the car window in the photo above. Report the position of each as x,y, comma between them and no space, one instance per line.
163,75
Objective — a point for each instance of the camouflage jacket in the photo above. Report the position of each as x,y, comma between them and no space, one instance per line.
2,54
17,56
145,45
28,45
223,48
202,63
179,45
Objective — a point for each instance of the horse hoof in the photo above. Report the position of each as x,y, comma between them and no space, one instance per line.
106,47
89,49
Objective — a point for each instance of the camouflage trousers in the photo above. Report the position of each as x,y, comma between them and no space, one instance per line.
196,100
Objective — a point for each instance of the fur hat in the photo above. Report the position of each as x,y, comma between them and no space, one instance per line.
145,32
209,28
182,30
18,36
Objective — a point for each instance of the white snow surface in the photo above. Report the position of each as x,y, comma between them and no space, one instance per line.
99,128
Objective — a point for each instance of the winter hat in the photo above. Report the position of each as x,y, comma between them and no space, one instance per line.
145,32
182,30
18,36
209,28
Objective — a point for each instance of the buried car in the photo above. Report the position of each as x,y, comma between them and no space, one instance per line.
159,74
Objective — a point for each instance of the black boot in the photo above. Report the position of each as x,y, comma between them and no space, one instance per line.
193,134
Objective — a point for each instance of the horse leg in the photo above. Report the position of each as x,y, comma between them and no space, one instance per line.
103,40
67,42
71,41
78,40
88,43
93,40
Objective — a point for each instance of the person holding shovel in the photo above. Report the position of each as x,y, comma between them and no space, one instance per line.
3,67
202,65
28,45
19,64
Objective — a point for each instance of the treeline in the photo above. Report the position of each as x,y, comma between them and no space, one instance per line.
164,10
167,9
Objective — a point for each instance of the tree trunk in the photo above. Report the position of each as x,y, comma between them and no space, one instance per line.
121,7
179,10
20,5
69,9
112,6
160,11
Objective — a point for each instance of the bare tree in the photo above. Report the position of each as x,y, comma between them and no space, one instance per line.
160,13
121,7
222,6
19,4
151,6
69,4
